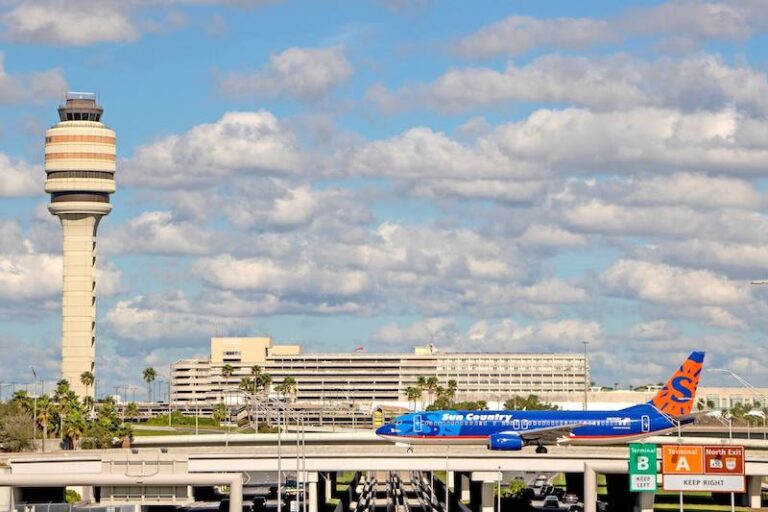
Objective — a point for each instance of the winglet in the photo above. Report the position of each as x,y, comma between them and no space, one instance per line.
678,395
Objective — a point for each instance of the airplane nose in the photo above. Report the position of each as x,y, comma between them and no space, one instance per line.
385,430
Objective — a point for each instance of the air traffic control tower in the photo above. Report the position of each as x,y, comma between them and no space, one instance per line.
80,168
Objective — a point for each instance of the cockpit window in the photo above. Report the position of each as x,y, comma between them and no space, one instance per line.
398,423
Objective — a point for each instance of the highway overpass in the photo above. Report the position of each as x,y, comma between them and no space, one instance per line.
129,476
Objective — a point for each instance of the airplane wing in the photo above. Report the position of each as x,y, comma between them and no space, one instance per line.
548,435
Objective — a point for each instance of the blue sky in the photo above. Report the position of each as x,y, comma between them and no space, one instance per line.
492,176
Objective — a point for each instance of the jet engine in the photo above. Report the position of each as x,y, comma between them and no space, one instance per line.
505,441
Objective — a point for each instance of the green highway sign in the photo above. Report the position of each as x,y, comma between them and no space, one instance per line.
642,467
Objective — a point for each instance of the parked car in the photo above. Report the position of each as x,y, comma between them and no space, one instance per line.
570,497
575,508
551,502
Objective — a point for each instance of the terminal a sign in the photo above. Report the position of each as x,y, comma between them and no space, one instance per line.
703,468
642,467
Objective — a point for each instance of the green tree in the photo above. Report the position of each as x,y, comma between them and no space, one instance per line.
247,385
227,370
255,371
264,383
149,375
413,393
131,410
16,428
219,412
287,387
23,401
74,427
45,412
87,379
529,403
431,386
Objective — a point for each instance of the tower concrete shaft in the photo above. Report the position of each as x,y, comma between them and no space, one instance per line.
80,155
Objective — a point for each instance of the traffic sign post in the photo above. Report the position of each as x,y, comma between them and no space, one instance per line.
642,467
703,468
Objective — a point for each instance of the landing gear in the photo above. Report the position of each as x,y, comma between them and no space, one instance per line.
541,448
409,450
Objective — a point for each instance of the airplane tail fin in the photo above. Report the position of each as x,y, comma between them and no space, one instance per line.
678,395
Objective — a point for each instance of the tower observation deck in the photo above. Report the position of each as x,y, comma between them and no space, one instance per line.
80,155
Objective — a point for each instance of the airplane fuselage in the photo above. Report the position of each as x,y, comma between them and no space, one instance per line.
476,427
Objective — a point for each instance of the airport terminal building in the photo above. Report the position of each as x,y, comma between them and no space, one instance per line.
363,378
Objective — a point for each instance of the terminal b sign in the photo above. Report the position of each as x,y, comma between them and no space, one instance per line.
642,467
703,468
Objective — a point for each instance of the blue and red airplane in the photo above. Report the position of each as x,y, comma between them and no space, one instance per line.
670,408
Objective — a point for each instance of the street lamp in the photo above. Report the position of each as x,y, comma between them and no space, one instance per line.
752,389
757,413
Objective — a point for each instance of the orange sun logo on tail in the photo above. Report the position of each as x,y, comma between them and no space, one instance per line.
678,395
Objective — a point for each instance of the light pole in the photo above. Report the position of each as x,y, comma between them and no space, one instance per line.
34,413
752,389
757,413
586,374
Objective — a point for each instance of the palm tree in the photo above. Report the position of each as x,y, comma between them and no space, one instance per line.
431,385
89,403
131,410
227,370
87,379
22,400
413,393
288,386
219,412
44,414
149,377
264,383
255,370
247,385
74,426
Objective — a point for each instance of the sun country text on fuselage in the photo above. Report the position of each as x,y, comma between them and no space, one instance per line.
511,430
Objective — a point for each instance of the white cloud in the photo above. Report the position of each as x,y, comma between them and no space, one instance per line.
617,82
694,190
34,87
509,336
551,236
519,34
70,23
480,189
244,143
168,319
654,330
307,74
270,276
157,232
86,22
27,277
20,178
665,284
570,141
685,20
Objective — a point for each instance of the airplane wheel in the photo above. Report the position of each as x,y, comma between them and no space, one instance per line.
409,450
541,449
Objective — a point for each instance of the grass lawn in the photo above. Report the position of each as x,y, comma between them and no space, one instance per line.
699,508
145,433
